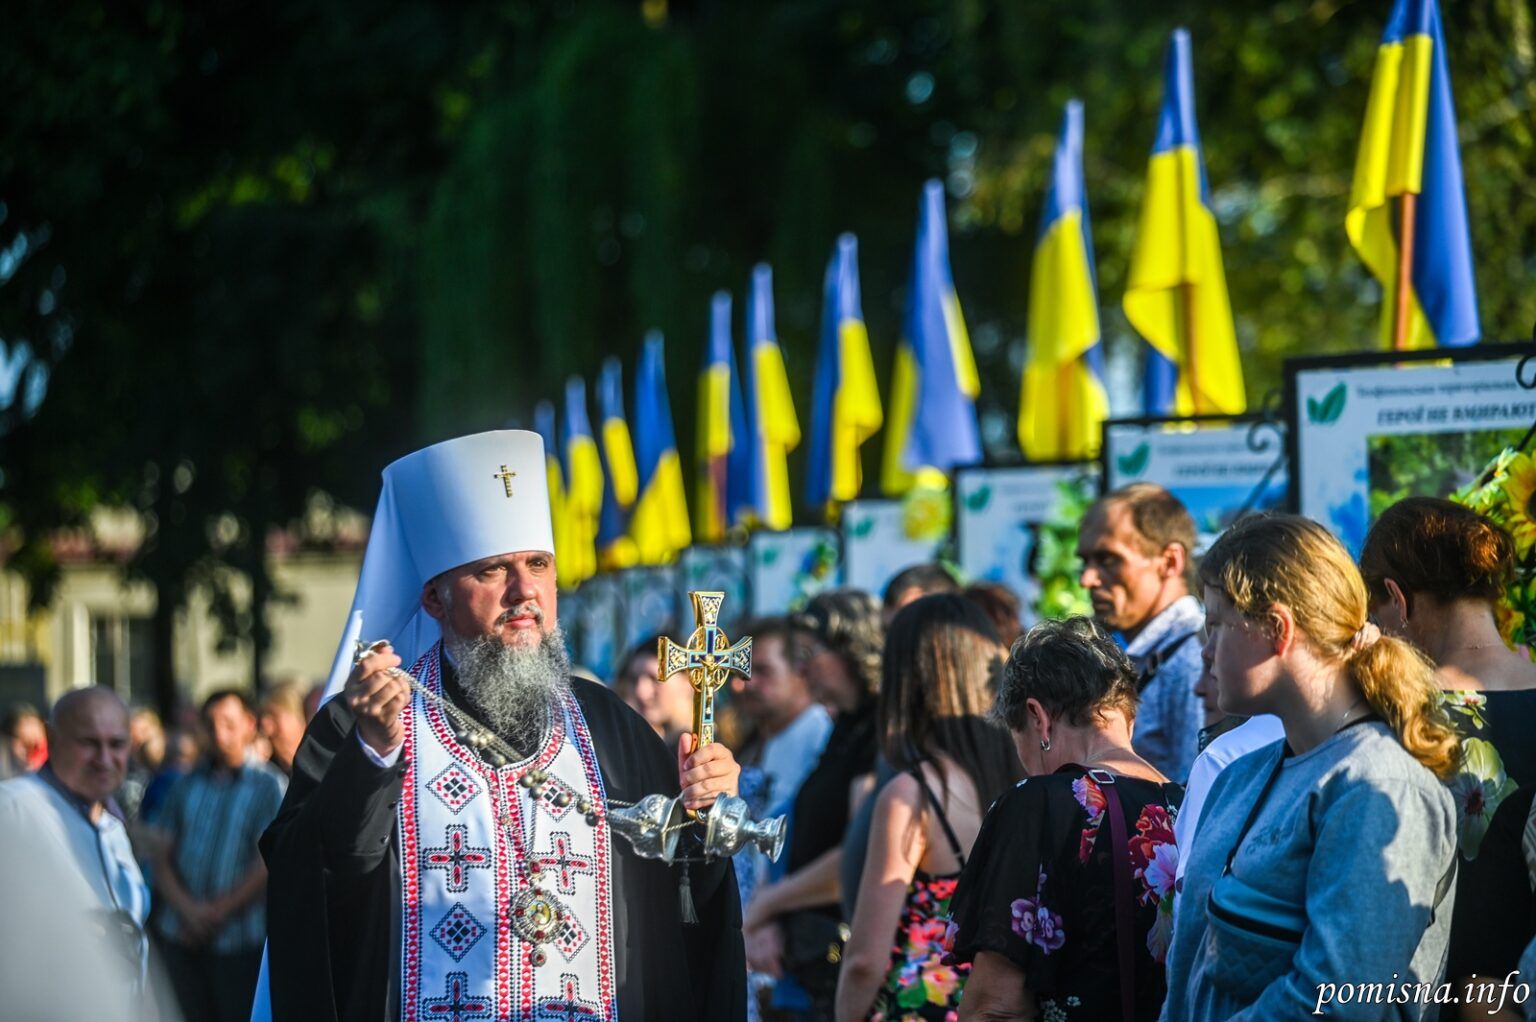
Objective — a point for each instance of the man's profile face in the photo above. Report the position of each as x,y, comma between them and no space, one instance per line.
776,688
1124,581
510,596
89,751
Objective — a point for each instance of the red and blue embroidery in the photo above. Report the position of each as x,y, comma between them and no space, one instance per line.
497,852
456,858
458,932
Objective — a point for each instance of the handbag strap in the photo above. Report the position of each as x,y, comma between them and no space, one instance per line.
1125,909
1154,661
1258,804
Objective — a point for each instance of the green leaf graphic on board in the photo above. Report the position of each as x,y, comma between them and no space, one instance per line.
861,527
769,555
1329,408
980,499
1135,463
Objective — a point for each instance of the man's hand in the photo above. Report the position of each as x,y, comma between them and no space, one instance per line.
200,922
707,774
377,691
765,949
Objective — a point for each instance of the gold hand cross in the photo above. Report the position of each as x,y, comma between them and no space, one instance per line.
709,658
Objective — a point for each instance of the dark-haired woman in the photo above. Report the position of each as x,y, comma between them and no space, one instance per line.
1064,908
941,661
1435,571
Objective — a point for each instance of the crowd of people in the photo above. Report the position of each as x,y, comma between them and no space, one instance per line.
151,833
1265,782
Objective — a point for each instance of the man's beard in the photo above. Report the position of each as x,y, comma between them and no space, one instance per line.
514,689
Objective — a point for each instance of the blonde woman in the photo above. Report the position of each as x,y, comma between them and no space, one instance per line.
1324,883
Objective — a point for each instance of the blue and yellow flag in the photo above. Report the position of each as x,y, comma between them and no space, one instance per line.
724,481
583,487
614,547
1063,400
544,425
934,384
1408,151
659,524
1176,295
845,400
773,430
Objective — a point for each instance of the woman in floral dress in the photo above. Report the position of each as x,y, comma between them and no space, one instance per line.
1437,572
1035,914
941,658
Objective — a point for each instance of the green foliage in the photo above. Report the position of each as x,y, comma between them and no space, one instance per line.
1412,464
1057,565
281,244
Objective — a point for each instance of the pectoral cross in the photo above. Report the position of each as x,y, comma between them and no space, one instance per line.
709,658
506,478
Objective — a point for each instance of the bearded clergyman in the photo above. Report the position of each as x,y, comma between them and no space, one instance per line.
444,850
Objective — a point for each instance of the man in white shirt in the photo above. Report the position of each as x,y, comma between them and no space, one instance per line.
791,726
68,877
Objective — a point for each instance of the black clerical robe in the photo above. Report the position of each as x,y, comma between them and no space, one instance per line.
333,899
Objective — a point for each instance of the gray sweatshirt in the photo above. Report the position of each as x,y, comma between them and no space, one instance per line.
1362,836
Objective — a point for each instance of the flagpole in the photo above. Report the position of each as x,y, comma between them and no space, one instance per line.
1405,240
1187,295
1063,412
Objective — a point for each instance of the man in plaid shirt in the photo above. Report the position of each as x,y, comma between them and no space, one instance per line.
212,880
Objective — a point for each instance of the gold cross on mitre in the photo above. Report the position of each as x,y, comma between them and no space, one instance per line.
506,478
709,658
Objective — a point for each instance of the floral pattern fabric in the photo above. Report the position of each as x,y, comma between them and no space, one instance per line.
921,986
1039,890
1491,791
1482,783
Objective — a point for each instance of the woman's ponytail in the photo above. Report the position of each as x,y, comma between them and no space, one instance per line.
1401,686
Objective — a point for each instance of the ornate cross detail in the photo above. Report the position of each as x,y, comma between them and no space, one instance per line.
459,1005
456,858
506,478
709,658
570,1007
561,858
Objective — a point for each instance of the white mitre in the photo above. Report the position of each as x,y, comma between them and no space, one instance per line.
449,504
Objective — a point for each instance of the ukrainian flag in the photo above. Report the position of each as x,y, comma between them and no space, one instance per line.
845,400
1408,151
659,524
583,486
1176,296
614,547
544,425
773,429
934,384
1063,399
724,485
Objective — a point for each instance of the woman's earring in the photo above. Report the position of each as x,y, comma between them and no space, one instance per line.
1045,745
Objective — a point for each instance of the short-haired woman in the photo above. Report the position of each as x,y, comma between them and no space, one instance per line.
1435,572
1064,908
1335,877
942,657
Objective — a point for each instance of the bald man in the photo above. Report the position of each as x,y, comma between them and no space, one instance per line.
72,940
